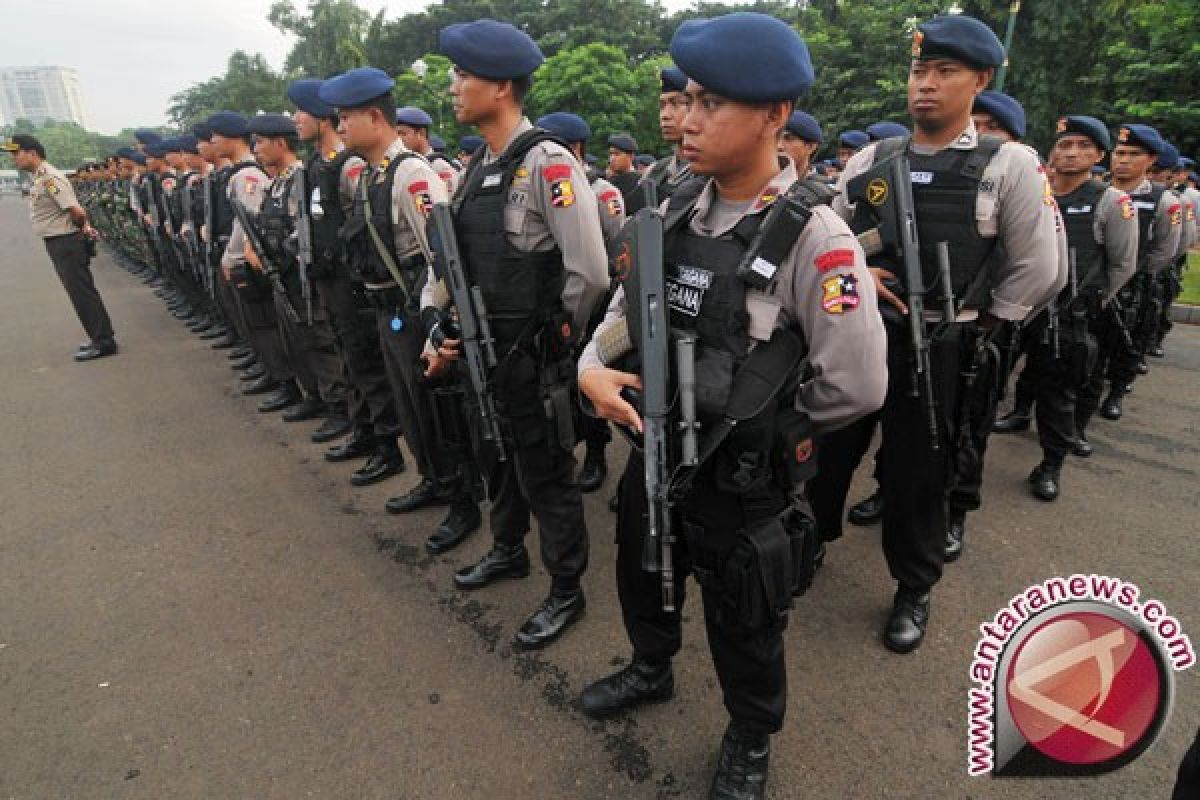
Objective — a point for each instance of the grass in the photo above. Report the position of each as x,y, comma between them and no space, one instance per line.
1191,281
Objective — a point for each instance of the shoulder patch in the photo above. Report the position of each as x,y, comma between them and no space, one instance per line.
1176,213
1127,209
51,186
355,170
421,199
562,192
832,259
250,183
839,294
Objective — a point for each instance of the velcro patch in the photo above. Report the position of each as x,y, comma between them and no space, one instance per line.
832,259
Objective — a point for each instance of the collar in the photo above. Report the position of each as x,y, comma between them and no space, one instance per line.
1145,187
967,140
394,150
766,197
522,126
330,155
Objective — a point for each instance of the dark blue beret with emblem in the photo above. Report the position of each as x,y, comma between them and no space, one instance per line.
413,116
958,37
745,56
190,144
1168,158
1143,136
172,144
437,143
885,130
804,125
623,142
202,131
1007,112
306,95
855,140
493,50
355,88
672,79
229,124
1098,170
272,125
147,137
1083,125
126,152
567,126
470,143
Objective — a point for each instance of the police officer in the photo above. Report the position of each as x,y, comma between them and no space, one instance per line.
1102,232
413,126
997,114
730,137
1171,277
622,148
849,143
530,237
801,138
468,146
976,195
573,130
669,172
332,173
389,251
63,225
1160,224
201,195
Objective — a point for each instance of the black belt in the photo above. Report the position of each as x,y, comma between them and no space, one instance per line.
61,236
386,299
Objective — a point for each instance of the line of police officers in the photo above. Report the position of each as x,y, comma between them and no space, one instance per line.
324,281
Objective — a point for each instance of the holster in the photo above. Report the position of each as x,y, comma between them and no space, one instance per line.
753,580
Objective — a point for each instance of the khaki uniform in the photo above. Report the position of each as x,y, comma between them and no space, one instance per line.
246,187
1115,226
50,195
612,208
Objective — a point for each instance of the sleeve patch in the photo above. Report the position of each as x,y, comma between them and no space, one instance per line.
1176,212
355,171
833,259
562,191
51,186
556,172
1127,209
416,187
839,294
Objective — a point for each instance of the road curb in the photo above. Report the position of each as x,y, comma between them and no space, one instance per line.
1189,315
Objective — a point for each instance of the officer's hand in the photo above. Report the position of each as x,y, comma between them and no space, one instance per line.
880,275
435,365
603,387
90,232
252,257
450,349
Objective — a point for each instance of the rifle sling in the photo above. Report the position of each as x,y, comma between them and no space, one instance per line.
384,251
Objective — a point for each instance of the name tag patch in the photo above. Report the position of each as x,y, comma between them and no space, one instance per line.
924,178
492,181
686,289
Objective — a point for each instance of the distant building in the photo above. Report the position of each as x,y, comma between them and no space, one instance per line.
39,94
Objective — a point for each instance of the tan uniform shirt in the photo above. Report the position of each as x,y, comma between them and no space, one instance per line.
1015,204
612,208
248,188
445,170
1114,225
824,288
1187,236
50,195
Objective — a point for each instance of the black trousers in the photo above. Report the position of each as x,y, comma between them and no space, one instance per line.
72,264
749,663
1147,302
1171,286
1109,345
257,305
1048,385
311,349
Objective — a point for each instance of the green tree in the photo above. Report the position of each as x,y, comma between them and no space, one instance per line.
248,85
329,39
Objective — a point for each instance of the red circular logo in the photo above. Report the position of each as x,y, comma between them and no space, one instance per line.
1084,688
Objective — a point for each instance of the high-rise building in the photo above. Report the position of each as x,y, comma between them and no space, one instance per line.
39,94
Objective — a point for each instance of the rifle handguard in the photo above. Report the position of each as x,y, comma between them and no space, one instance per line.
613,343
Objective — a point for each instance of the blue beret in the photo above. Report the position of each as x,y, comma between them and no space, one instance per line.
1087,126
305,94
959,37
138,158
885,130
190,144
157,149
126,152
411,115
644,160
147,137
623,142
272,125
437,143
228,123
804,125
772,61
492,50
567,126
171,144
1004,109
672,79
1168,158
855,140
355,88
1186,163
1142,136
202,131
590,159
470,143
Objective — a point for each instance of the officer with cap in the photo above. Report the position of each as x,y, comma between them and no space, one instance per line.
730,137
667,173
573,130
1102,233
208,166
1160,224
389,252
1171,172
642,162
530,236
849,143
998,114
801,138
63,225
980,196
413,125
160,188
331,181
468,146
879,131
621,151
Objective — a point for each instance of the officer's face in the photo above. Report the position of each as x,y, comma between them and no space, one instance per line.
1074,154
723,137
671,109
619,160
271,151
307,126
413,138
798,150
359,127
222,146
475,99
941,92
986,124
846,153
1129,162
24,160
206,150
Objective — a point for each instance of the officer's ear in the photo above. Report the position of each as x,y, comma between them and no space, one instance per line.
777,116
983,79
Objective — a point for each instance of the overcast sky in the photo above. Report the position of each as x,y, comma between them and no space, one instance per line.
132,55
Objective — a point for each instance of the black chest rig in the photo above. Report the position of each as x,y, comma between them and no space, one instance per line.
520,290
945,188
276,222
1079,217
222,208
364,260
1147,210
326,214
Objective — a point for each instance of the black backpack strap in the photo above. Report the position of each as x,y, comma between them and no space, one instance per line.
981,156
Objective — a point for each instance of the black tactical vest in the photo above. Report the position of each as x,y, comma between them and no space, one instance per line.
175,201
945,188
325,212
1147,209
365,263
1079,217
660,176
520,290
276,223
222,209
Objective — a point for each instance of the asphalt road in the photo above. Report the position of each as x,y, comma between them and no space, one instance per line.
193,604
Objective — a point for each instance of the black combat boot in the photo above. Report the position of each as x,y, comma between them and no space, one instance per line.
867,511
463,520
560,609
906,625
1111,407
956,527
742,765
1044,480
1082,448
595,469
640,682
502,561
386,461
1014,421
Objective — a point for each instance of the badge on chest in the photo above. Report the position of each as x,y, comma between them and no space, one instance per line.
686,287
